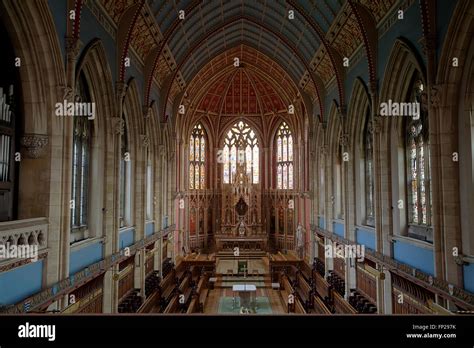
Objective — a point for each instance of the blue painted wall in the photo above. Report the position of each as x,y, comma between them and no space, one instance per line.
126,238
149,228
365,237
445,11
21,282
321,222
338,228
359,70
58,11
408,28
414,256
469,277
92,29
84,257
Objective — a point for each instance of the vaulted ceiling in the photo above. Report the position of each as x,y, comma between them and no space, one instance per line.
176,39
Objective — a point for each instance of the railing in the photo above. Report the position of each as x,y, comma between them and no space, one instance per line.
25,232
65,286
439,286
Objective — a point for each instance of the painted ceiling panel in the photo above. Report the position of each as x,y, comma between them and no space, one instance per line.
213,32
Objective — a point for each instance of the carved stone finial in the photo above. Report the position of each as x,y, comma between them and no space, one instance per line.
34,144
323,150
146,111
344,140
73,46
121,89
374,126
145,140
435,96
119,125
64,92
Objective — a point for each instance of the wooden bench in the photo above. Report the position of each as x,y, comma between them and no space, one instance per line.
306,271
341,306
299,307
319,306
322,287
193,305
304,292
286,291
150,303
172,305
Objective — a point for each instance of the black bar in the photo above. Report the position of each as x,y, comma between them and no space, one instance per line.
291,330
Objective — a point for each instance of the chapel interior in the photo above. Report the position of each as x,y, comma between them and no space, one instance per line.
237,157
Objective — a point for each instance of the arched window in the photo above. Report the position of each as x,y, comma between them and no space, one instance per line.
241,147
9,129
338,185
125,173
284,150
82,139
149,185
197,159
368,144
418,162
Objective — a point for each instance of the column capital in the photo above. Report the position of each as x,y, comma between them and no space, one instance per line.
34,144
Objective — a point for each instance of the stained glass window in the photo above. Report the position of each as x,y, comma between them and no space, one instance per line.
369,173
124,175
240,147
285,179
82,134
197,158
418,168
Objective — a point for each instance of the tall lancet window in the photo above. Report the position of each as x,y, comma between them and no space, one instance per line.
125,178
241,147
82,134
369,172
418,162
284,150
197,159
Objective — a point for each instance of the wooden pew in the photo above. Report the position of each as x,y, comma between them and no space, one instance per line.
322,287
193,305
304,291
341,306
150,303
202,299
286,291
319,306
172,305
306,271
299,307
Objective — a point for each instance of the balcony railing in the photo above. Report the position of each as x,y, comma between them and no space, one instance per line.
25,232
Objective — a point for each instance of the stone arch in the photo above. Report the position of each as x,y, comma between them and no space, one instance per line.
403,63
94,66
30,27
451,99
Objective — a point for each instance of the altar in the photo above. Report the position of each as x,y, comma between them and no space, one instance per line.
247,293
